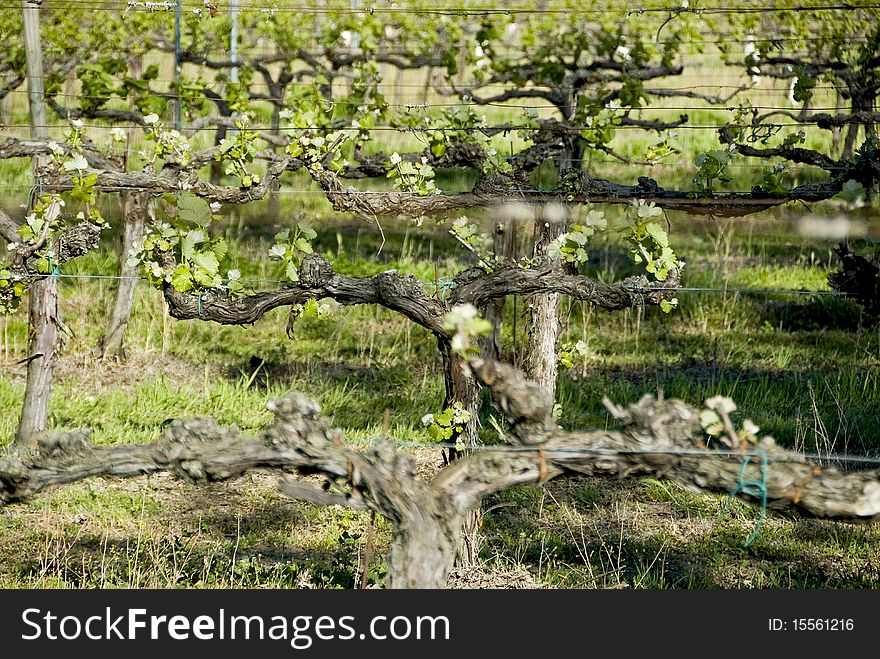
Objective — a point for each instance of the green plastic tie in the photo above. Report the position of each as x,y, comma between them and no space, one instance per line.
754,488
33,195
444,282
443,286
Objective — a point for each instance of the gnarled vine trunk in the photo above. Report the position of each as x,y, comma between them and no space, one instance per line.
44,317
424,547
461,387
863,102
504,245
44,322
544,326
216,172
134,212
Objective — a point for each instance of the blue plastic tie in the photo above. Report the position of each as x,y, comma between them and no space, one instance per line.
444,282
754,488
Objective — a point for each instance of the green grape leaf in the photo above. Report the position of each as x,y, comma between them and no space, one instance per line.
578,237
193,209
205,279
208,261
181,279
658,234
439,434
189,241
596,220
852,191
711,422
235,287
219,248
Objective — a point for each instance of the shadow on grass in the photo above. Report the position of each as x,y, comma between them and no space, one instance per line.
837,409
822,312
264,546
622,535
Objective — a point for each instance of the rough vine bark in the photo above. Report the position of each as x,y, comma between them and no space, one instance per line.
584,188
44,312
544,326
173,178
857,279
44,323
461,388
407,295
134,216
504,246
662,438
134,212
44,319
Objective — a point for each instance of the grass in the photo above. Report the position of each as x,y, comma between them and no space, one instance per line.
801,366
655,534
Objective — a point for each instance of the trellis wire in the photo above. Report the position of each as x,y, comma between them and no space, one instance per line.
444,129
786,455
755,488
158,7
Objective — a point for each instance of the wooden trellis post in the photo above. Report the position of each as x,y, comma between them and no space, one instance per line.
43,311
